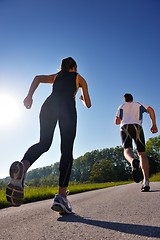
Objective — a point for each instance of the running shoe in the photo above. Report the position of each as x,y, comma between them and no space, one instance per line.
61,205
145,187
15,189
137,174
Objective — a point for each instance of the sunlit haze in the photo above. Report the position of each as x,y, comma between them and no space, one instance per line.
9,110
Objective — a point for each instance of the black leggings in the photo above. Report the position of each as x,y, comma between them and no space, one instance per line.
64,112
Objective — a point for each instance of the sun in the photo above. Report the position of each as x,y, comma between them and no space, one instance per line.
9,109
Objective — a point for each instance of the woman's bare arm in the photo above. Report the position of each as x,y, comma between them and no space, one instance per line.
35,83
85,98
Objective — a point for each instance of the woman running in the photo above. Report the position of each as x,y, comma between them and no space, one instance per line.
59,108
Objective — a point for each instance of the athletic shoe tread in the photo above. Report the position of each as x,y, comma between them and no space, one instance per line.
137,174
61,204
15,189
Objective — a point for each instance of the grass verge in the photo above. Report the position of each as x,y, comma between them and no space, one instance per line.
33,194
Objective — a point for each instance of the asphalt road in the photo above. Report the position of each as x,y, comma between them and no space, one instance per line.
118,213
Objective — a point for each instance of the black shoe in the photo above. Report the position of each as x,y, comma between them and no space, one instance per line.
145,188
137,174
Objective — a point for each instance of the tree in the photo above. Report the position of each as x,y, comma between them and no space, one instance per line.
153,152
103,165
153,147
102,171
82,166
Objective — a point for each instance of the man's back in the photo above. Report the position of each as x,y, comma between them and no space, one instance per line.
131,113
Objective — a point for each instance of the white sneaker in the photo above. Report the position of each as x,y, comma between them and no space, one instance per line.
15,189
61,205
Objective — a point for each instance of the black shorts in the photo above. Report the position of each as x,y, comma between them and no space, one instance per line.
130,132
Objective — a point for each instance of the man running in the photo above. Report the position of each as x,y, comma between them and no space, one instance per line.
129,116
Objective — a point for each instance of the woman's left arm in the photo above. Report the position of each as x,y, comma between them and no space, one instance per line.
85,98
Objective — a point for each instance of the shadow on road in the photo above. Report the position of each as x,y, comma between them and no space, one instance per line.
141,230
154,191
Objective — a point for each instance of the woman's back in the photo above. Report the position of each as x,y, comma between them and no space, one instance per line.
65,85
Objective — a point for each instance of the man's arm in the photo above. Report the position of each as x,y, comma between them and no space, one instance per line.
117,120
151,112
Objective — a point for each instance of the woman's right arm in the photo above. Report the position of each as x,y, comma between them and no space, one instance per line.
85,98
35,83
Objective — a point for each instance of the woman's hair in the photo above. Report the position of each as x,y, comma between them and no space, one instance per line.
67,64
128,97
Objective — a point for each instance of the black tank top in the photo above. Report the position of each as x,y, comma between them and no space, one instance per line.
64,86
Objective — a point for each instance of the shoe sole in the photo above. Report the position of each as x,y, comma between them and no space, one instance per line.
60,208
15,193
137,174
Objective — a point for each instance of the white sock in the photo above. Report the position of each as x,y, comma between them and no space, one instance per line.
146,182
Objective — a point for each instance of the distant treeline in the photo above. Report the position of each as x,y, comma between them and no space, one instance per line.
98,166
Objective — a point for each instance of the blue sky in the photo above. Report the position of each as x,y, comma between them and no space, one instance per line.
116,46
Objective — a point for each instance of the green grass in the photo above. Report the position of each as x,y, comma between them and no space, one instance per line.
33,194
155,178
